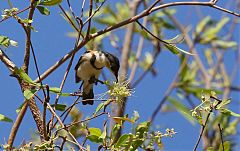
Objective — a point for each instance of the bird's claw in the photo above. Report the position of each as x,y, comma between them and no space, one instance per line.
94,80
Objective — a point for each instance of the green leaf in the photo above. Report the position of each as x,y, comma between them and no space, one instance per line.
223,104
94,135
28,94
229,112
72,22
115,131
43,10
211,33
119,120
99,1
104,133
107,20
172,48
4,41
25,77
20,107
95,131
225,44
231,129
142,127
50,2
175,50
122,140
176,39
210,149
99,107
200,27
227,146
59,107
55,89
3,118
182,109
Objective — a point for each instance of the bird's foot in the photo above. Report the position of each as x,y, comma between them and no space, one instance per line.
76,93
94,80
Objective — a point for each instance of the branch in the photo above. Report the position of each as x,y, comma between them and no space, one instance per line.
21,11
121,24
209,4
201,133
221,135
4,58
16,124
28,37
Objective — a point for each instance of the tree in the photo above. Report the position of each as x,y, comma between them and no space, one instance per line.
202,85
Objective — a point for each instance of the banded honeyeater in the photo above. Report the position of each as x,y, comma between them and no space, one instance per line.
88,69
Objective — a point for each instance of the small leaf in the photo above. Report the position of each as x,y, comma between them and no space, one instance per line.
210,149
200,27
55,89
184,51
227,146
119,120
223,104
122,140
104,133
229,112
3,118
43,10
59,107
95,131
172,48
231,129
225,44
99,107
4,41
50,2
25,77
28,94
175,50
20,107
211,33
182,109
94,135
99,1
142,128
175,40
115,131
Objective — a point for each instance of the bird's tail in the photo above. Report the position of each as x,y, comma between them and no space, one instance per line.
88,97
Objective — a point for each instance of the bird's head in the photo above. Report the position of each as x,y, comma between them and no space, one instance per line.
112,64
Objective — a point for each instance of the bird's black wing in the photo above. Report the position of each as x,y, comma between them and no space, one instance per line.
80,61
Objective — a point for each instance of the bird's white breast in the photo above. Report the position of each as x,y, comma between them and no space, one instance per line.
86,70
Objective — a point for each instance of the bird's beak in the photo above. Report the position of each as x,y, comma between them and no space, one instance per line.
116,76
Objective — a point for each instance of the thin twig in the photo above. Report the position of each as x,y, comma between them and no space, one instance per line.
209,4
69,19
110,28
61,123
16,124
21,11
138,54
201,133
221,135
89,22
90,17
88,119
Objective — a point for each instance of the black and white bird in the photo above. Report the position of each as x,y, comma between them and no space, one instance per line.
88,69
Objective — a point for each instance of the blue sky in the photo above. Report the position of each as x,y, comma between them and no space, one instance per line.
51,43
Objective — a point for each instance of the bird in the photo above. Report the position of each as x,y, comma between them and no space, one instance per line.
88,69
